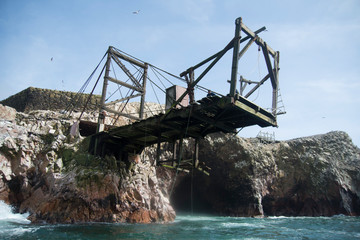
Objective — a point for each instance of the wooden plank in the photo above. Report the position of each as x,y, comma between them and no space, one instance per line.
126,58
256,113
120,113
124,84
257,86
269,66
126,71
123,99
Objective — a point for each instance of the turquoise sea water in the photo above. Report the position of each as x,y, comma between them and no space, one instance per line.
16,226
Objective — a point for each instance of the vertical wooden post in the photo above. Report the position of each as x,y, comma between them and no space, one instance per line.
276,87
142,102
180,150
190,87
174,154
101,118
196,154
234,69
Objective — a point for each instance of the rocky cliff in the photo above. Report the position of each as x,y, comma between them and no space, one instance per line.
48,173
311,176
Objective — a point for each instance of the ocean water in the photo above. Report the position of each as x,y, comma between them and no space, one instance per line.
16,226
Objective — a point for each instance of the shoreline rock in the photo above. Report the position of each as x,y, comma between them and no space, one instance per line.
48,173
310,176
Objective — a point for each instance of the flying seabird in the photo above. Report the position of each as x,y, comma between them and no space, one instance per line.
136,12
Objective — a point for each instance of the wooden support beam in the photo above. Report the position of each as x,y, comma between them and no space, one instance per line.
255,112
257,85
126,71
212,122
174,153
142,101
269,66
246,47
123,99
124,84
196,154
126,58
228,47
235,60
276,88
258,41
120,113
101,117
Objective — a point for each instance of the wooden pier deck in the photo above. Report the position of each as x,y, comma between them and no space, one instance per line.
208,115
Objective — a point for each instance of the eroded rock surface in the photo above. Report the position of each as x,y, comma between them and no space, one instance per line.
48,173
310,176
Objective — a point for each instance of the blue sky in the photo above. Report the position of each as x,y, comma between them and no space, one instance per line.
319,44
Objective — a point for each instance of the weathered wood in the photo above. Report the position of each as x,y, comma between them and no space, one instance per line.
123,99
259,41
124,84
142,101
276,78
269,66
257,85
228,47
126,58
251,41
255,112
120,113
235,60
126,71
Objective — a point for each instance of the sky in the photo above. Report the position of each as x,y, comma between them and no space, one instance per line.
318,41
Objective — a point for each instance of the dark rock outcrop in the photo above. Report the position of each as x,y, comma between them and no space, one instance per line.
311,176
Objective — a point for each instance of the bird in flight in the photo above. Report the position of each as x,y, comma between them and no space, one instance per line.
136,12
52,59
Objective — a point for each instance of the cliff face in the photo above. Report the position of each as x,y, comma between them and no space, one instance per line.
312,176
48,173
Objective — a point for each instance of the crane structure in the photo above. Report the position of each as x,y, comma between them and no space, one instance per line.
185,117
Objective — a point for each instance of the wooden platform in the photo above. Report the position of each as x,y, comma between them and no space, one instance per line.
209,115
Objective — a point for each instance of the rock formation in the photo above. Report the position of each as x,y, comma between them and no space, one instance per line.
311,176
48,173
46,99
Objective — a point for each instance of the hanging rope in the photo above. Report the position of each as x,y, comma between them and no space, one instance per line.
180,152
